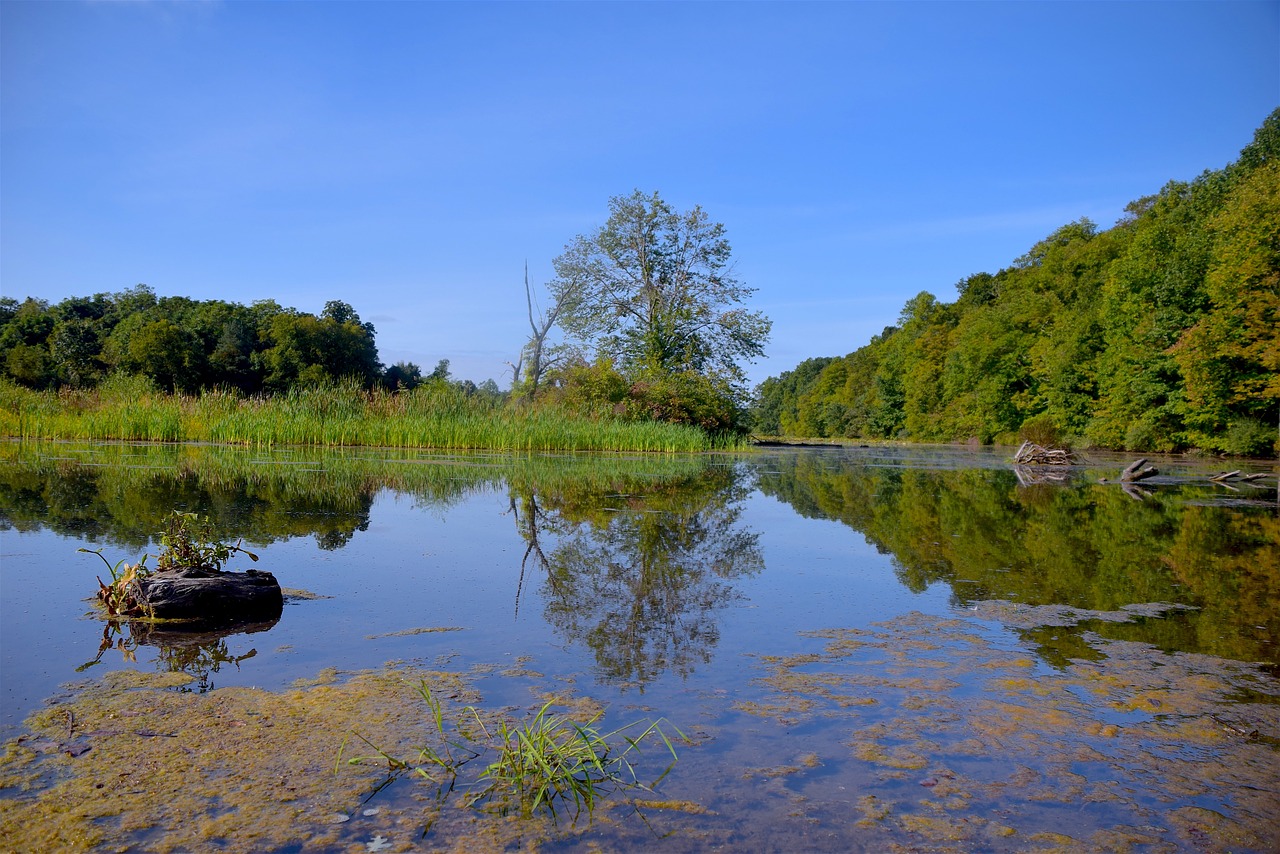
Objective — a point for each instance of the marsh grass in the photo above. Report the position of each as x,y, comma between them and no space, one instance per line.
431,416
549,763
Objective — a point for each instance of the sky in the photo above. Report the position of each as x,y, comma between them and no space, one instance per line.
411,158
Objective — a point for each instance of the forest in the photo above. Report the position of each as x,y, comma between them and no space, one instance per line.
1161,333
185,346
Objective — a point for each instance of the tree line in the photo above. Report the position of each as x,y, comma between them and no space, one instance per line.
1158,334
185,345
646,322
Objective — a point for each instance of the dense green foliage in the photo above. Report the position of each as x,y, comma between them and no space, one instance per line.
265,374
653,290
183,345
1160,333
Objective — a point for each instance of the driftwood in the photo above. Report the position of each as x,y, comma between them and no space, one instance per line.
1135,472
1236,474
211,596
1031,454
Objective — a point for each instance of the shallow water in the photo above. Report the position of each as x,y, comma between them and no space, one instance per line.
865,648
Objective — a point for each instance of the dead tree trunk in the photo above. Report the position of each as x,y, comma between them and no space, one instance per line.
1135,471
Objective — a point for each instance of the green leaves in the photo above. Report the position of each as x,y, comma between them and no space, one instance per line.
653,289
187,542
1157,334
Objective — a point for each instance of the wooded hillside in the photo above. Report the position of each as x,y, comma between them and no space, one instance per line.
1158,334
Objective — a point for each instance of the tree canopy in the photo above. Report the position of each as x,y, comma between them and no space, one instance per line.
653,290
184,345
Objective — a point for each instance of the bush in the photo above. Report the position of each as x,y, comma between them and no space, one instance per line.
1247,437
1042,430
688,398
680,398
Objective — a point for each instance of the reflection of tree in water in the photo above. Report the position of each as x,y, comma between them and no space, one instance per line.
640,578
127,506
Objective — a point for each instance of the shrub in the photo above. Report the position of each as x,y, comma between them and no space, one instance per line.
1247,437
1042,430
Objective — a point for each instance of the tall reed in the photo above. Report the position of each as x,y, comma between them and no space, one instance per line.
431,416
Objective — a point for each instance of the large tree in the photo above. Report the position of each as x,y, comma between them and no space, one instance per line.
653,289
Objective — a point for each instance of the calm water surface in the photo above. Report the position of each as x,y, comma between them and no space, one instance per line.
865,648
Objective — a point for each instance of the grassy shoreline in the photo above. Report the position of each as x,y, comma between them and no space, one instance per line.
341,416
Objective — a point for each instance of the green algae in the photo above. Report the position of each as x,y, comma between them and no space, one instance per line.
421,630
237,769
132,760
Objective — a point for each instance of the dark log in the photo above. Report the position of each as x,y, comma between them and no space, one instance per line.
212,596
1135,472
1132,468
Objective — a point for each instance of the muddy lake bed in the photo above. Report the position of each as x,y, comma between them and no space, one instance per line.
862,649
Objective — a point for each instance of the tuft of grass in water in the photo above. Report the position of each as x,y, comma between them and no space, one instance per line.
547,763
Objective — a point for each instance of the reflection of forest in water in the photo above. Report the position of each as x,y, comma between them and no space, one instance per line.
635,556
1086,545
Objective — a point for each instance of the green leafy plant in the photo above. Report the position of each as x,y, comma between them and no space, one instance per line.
187,542
120,597
549,762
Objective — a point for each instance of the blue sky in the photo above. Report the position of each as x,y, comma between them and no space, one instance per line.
409,158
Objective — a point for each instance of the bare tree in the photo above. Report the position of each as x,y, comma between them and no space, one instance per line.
537,357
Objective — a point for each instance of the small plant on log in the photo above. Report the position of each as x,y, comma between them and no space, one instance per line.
120,597
186,542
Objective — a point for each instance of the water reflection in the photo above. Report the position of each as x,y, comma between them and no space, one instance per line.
640,577
198,653
635,556
990,535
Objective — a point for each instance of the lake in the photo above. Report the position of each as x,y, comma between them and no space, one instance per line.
884,648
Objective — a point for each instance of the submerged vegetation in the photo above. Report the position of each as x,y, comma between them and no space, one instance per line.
920,732
1158,334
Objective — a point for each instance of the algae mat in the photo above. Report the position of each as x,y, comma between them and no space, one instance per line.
922,733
